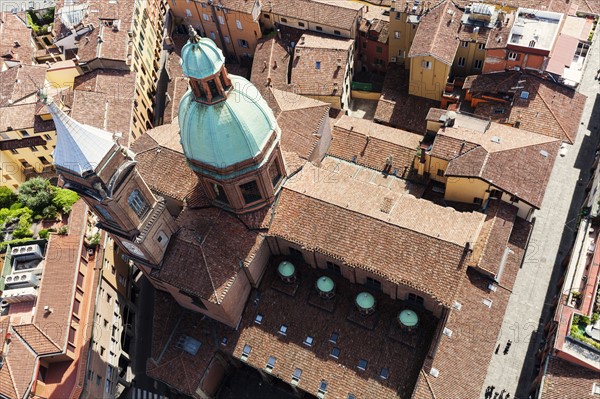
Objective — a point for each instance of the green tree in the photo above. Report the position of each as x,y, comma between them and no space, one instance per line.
64,199
36,194
7,197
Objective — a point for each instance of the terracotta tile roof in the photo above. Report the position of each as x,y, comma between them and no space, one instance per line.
199,261
7,384
197,198
300,119
105,100
62,264
465,33
271,60
293,162
463,359
362,215
369,144
448,148
19,85
490,247
380,26
550,109
337,15
20,363
114,43
171,323
589,7
498,37
36,339
327,77
399,109
302,318
437,33
511,159
566,380
166,172
562,6
17,117
14,29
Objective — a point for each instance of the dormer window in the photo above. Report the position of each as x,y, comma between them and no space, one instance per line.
138,203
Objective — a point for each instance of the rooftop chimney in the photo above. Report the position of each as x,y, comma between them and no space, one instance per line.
275,64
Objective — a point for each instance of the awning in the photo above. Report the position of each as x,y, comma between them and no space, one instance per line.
562,54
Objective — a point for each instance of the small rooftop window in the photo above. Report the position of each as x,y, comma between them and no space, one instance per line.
308,341
283,329
524,95
258,319
322,389
271,363
246,352
335,353
224,341
296,376
351,396
362,364
384,373
334,337
189,344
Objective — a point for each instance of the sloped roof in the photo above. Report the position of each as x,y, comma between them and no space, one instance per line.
19,85
513,160
539,105
377,25
14,29
564,379
338,15
437,33
384,217
370,144
271,60
79,148
199,261
36,339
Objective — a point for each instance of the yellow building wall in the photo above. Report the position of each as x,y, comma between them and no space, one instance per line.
433,165
427,82
250,32
399,47
471,53
18,163
461,189
62,77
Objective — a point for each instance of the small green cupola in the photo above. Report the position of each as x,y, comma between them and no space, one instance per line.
229,134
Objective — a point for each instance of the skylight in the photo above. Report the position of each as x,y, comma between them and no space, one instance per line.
258,319
296,376
246,352
362,364
334,337
335,353
283,329
308,341
271,363
384,373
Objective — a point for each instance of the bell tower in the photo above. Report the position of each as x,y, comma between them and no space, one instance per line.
103,173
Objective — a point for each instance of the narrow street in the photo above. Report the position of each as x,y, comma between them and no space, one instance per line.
530,305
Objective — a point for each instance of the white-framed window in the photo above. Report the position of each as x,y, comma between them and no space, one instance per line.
205,17
596,389
512,55
221,20
397,34
188,12
481,46
427,64
138,203
461,61
213,35
238,23
464,43
478,64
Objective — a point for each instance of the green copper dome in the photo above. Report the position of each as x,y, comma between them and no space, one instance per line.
201,58
228,132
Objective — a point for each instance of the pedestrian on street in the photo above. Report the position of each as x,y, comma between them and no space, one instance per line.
496,395
507,347
497,349
507,396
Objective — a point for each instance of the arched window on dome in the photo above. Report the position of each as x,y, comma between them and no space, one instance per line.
224,82
214,90
220,194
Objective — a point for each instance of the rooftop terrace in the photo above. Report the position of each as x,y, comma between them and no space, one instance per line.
535,29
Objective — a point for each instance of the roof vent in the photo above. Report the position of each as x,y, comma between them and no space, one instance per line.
487,302
457,306
496,139
544,153
524,95
434,372
492,287
447,332
189,345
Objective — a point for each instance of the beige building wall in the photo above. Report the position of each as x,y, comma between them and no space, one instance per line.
428,77
106,347
268,19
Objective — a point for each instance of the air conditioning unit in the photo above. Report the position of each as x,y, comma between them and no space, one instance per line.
394,59
22,279
27,251
19,295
